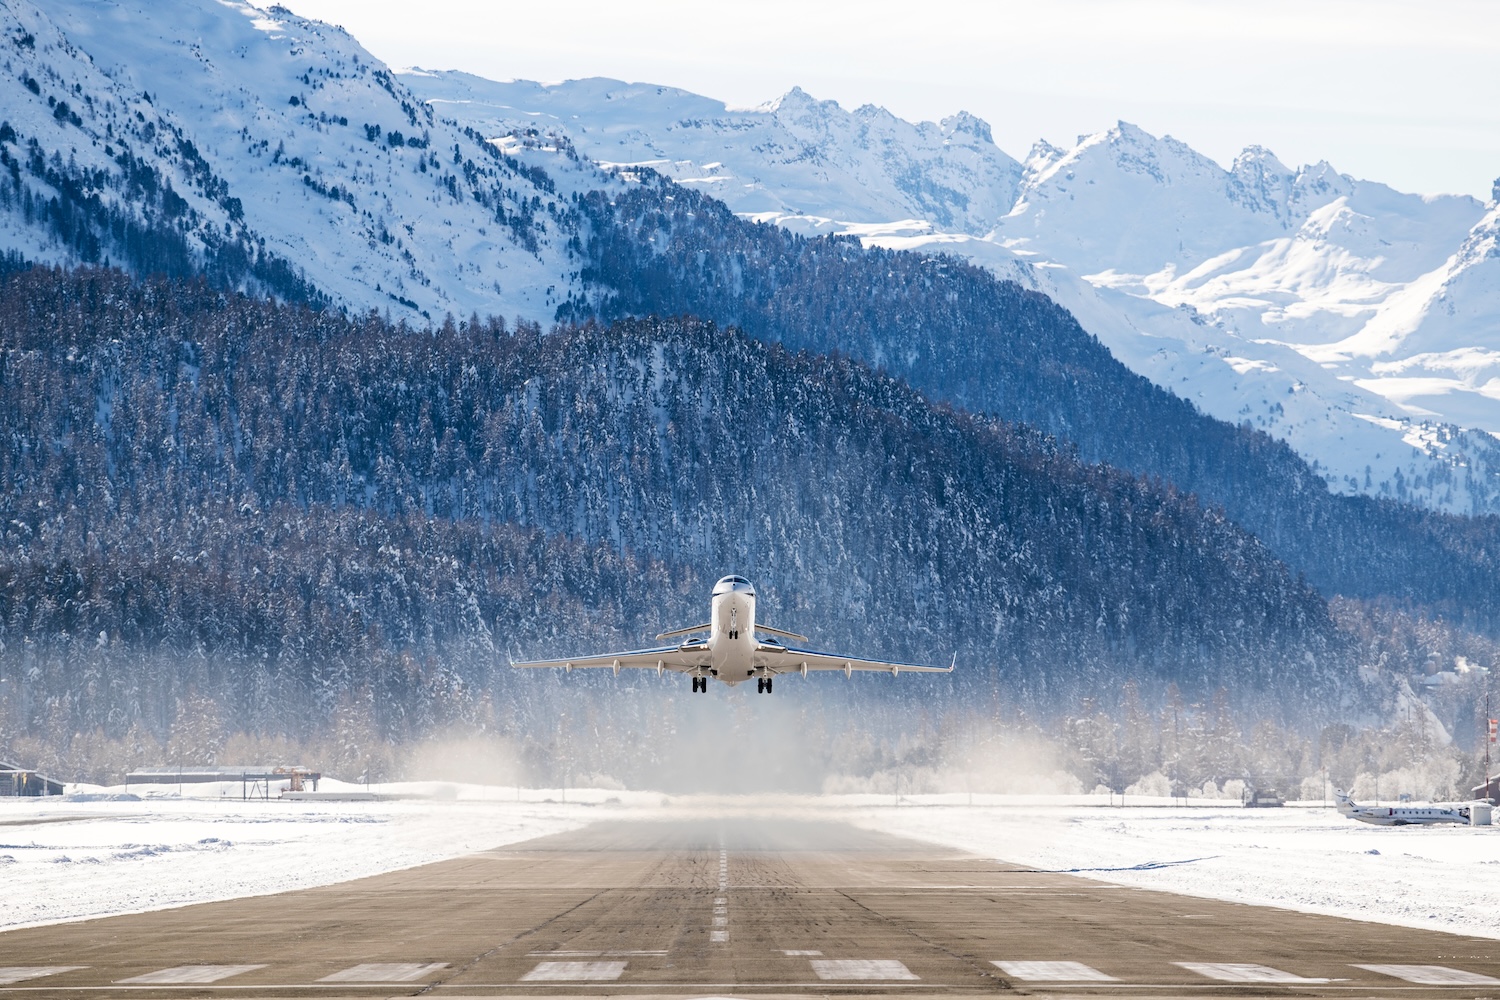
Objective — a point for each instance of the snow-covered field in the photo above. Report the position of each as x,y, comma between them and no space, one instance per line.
97,854
94,855
1312,859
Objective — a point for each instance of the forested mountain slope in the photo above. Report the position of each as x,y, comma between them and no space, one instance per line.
958,334
280,508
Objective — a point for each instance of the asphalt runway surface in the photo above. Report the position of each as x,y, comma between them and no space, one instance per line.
733,907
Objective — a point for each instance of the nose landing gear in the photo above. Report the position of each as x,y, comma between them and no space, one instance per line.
763,685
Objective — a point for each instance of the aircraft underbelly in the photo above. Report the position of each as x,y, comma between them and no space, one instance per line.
734,660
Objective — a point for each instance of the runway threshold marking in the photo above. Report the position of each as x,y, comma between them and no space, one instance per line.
1053,972
385,972
574,972
1245,972
1432,975
192,974
861,968
21,973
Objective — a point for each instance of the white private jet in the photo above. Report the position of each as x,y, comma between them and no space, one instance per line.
731,651
1401,815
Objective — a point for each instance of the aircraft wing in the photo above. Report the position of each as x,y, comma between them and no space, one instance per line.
657,658
790,660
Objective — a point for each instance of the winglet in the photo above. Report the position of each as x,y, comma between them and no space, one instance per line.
954,663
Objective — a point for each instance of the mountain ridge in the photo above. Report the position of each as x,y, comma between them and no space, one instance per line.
1233,325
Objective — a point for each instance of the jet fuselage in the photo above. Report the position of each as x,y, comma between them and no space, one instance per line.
731,638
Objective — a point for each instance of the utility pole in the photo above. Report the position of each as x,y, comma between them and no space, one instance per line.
1489,737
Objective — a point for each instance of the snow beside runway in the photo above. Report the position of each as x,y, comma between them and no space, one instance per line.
1444,878
94,855
90,856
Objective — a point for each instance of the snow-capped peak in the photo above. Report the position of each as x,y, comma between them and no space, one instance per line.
965,124
799,102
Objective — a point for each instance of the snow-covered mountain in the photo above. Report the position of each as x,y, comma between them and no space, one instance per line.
246,133
1355,322
795,155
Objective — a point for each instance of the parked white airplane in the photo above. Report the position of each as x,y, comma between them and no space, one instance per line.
731,651
1401,815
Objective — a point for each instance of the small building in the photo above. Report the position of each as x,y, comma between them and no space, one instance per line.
254,780
17,780
1262,798
1489,790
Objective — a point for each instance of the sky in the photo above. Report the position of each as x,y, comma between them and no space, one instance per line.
1399,91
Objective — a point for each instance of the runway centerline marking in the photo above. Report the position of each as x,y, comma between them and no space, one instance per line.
1244,972
574,972
20,973
1432,975
801,953
192,974
385,972
594,954
861,968
1055,972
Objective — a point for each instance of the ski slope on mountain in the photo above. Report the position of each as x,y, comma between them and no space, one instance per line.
1338,315
275,133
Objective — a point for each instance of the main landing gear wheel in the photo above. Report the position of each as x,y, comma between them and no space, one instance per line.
700,685
763,684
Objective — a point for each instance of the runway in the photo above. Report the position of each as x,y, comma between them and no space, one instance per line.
733,907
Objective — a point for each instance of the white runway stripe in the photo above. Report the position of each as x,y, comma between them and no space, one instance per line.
192,974
861,968
1053,972
385,972
573,971
718,937
20,973
1238,972
799,953
592,954
1432,975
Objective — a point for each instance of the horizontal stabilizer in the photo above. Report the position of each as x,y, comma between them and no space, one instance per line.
685,631
781,632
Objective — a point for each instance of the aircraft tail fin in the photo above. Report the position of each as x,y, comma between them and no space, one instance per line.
1346,804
